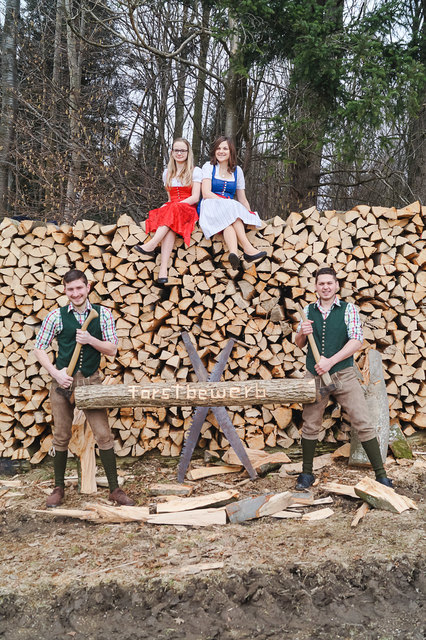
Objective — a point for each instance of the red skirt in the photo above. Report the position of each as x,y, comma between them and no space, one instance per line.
180,217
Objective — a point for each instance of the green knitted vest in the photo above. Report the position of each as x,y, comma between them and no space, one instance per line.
90,358
330,336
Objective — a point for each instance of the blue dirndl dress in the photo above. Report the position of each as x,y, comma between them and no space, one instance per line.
218,213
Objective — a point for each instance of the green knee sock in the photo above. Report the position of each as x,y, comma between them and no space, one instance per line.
308,451
372,449
59,465
108,460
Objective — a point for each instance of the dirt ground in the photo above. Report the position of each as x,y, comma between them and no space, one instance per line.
64,578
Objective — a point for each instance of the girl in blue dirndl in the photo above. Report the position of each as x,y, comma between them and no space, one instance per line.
224,207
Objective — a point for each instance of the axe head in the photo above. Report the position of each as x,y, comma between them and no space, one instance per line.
66,393
324,391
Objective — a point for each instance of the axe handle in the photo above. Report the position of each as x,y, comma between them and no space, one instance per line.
70,369
326,378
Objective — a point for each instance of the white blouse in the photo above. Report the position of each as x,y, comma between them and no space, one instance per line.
208,172
197,176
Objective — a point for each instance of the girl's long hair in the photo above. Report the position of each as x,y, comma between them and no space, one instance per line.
185,176
232,162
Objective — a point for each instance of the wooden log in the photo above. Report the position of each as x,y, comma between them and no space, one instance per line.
215,394
378,411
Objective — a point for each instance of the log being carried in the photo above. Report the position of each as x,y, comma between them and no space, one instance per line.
336,328
67,325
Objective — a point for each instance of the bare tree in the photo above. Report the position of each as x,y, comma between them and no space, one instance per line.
8,103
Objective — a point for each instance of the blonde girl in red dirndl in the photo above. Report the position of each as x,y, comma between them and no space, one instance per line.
178,216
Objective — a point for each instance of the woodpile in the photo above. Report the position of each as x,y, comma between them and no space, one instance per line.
378,252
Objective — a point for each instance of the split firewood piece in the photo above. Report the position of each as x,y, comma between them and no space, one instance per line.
109,513
81,514
320,514
197,518
312,503
340,489
170,490
257,457
287,514
82,445
360,513
102,481
188,504
296,467
206,472
13,484
342,452
259,506
381,497
192,569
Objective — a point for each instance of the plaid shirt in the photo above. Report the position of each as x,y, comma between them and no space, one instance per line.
352,319
52,325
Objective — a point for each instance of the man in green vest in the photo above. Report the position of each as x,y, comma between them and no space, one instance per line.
336,328
65,324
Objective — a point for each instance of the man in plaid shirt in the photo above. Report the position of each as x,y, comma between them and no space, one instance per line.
337,332
64,324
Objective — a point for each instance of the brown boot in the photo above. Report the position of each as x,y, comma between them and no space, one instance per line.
120,497
56,497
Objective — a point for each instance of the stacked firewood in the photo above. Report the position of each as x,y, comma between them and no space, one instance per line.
377,252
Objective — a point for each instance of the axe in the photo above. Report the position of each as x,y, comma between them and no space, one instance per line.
326,378
67,393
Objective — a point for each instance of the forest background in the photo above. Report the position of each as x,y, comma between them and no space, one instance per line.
325,99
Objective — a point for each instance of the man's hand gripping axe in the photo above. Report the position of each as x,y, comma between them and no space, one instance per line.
67,392
326,378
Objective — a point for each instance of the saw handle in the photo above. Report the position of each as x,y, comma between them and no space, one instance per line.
70,369
326,378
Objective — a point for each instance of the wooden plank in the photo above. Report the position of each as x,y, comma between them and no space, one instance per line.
198,518
188,504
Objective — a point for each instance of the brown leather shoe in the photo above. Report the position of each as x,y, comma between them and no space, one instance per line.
120,497
56,497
